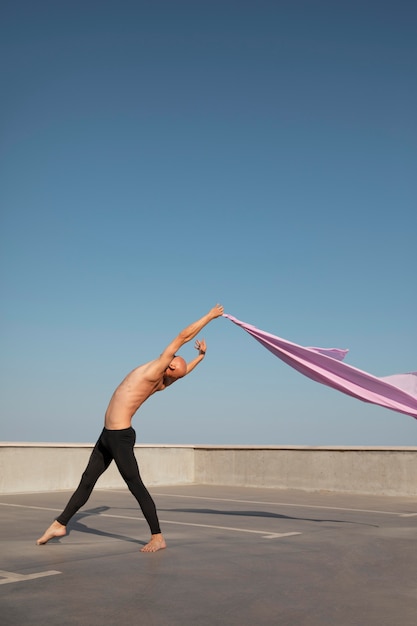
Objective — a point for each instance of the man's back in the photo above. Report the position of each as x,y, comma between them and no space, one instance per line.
129,396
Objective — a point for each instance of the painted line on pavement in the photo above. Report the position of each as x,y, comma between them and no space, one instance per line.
290,504
265,533
12,577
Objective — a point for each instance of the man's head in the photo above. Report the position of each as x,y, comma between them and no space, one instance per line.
175,370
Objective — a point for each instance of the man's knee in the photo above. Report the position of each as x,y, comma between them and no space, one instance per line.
88,480
132,478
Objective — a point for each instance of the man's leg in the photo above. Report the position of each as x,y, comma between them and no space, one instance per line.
121,443
99,461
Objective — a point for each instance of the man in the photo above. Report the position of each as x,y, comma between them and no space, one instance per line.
118,437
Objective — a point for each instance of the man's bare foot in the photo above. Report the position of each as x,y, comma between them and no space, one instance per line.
55,530
156,543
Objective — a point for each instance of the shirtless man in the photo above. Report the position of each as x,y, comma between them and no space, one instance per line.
117,439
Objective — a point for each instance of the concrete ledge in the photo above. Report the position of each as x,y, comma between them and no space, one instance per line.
30,467
52,467
377,471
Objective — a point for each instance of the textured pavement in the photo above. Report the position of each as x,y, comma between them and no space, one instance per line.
235,556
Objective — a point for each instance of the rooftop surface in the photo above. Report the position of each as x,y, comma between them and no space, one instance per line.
235,556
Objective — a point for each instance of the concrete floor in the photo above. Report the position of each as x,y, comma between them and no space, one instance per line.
236,556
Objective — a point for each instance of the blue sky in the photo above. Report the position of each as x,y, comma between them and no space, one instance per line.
159,157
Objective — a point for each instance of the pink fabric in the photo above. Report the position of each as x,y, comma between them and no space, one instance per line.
324,365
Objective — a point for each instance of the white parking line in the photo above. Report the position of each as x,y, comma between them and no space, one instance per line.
266,534
230,500
263,533
27,506
12,577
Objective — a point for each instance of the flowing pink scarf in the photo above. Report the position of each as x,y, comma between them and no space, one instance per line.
324,365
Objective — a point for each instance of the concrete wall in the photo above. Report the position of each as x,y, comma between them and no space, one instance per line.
383,471
53,467
380,471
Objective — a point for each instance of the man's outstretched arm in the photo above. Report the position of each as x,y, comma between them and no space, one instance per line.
160,364
191,331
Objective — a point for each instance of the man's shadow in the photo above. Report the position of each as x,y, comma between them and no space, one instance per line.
75,524
266,514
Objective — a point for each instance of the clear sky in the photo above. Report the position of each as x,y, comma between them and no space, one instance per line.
158,157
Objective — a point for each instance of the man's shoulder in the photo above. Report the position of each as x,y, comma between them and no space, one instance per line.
140,369
146,370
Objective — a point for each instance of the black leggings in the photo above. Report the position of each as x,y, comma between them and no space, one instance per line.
117,445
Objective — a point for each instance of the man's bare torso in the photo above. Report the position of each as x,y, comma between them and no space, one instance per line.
129,396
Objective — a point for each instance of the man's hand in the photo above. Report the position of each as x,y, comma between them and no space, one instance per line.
216,311
200,346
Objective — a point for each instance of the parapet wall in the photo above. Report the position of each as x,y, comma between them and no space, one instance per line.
377,471
55,466
32,467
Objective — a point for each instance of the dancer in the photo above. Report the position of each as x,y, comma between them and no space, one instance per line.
118,437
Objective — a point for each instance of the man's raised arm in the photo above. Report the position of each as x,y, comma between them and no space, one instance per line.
157,368
190,332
